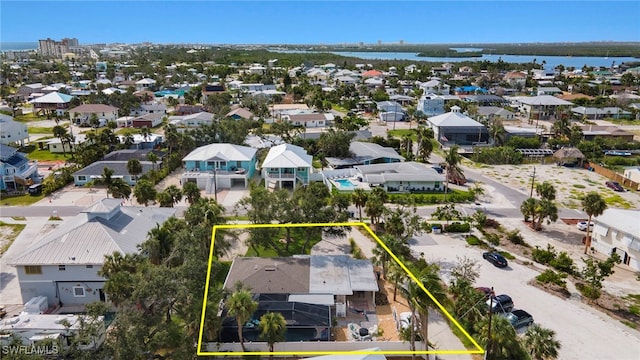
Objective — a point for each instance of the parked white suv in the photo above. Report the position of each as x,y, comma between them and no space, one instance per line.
582,225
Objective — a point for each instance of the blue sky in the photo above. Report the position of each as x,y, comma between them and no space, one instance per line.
312,22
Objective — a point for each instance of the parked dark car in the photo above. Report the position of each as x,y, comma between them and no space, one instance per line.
496,259
500,304
438,169
519,318
614,185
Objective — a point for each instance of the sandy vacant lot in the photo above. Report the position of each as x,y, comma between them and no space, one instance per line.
570,183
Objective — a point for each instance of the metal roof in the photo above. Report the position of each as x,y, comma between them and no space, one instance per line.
453,119
287,156
53,98
221,151
89,236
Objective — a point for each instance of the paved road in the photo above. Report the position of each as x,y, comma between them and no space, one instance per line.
583,332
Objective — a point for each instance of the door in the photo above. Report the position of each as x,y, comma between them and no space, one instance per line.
103,296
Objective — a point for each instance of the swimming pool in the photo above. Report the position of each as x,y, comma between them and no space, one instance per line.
345,184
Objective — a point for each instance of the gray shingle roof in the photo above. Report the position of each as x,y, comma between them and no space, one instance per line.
119,168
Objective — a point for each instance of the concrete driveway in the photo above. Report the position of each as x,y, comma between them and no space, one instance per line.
584,333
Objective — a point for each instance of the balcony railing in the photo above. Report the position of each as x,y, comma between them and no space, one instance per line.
280,176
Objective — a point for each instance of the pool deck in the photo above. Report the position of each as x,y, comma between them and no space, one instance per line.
356,184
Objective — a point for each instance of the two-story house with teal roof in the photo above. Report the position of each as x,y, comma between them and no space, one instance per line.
219,166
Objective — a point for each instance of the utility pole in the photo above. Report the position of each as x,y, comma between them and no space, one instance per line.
533,181
488,346
215,183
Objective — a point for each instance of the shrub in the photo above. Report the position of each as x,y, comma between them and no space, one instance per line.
563,263
473,240
551,277
544,256
589,291
515,237
492,239
457,227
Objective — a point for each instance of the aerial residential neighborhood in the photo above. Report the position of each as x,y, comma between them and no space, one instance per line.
186,200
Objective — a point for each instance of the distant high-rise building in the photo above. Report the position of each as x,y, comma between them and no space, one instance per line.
401,42
53,48
379,42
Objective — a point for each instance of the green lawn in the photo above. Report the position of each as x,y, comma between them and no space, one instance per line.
399,133
298,236
29,117
21,200
40,130
43,155
339,108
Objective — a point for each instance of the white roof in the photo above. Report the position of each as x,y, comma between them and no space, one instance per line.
103,228
200,116
224,152
340,275
622,220
453,119
286,156
542,100
53,98
145,81
347,356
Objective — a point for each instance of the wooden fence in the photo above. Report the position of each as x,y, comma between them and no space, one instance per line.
610,174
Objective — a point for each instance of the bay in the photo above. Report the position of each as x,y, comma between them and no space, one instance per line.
550,61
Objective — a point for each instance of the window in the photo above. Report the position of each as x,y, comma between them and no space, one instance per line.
82,178
89,266
78,291
62,268
33,270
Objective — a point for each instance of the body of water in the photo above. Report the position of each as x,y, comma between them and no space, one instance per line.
17,46
550,61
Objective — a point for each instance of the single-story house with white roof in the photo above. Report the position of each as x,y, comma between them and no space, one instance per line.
401,177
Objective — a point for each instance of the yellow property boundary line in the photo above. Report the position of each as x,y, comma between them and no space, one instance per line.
478,350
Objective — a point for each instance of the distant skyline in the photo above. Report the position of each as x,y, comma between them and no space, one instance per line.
316,22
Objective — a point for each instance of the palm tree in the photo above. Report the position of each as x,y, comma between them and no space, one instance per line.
134,167
397,275
107,179
61,133
191,192
359,198
594,205
497,132
421,301
151,156
503,344
546,191
145,132
425,146
159,244
451,159
273,328
541,343
242,306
